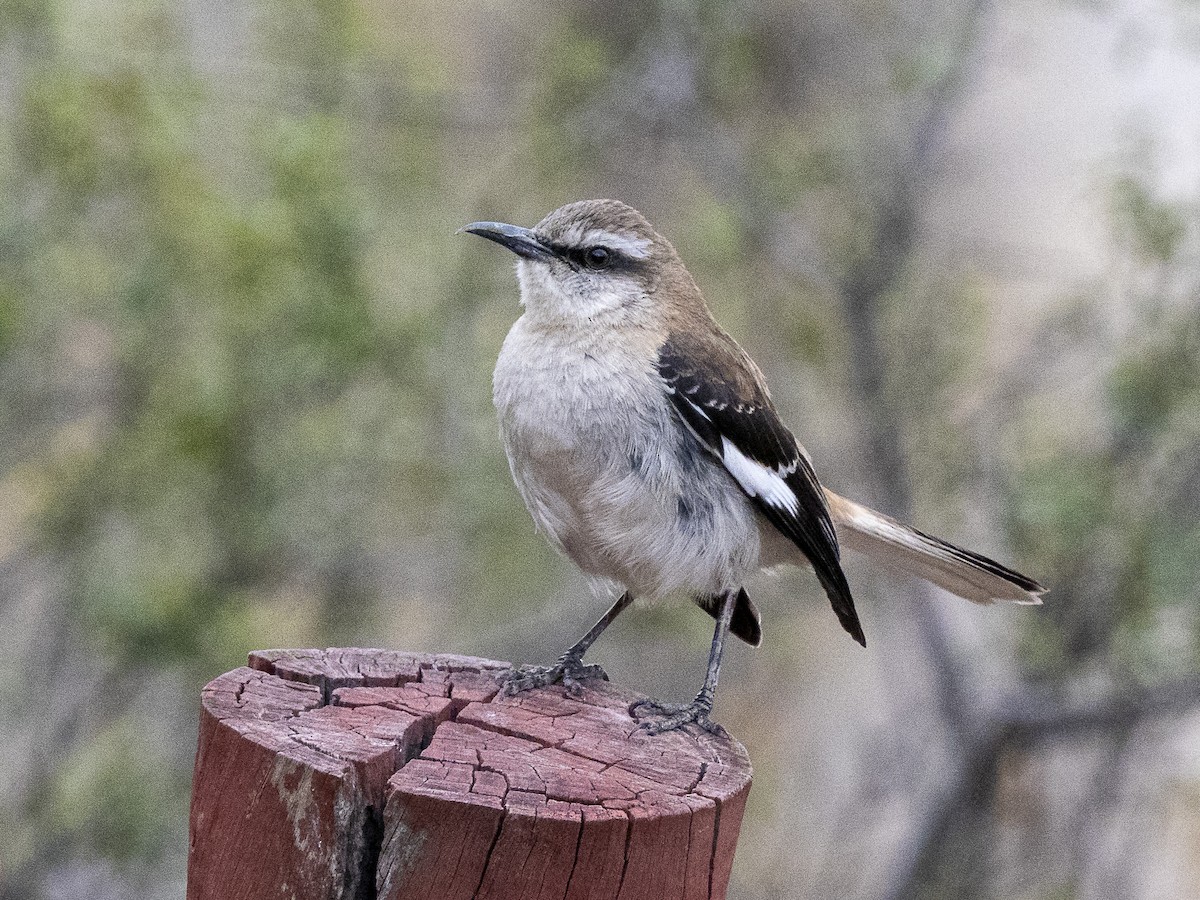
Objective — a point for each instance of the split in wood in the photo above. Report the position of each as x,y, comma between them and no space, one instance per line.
367,773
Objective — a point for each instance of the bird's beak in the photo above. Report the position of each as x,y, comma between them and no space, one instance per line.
520,241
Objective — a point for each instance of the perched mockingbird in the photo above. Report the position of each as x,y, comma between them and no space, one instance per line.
645,444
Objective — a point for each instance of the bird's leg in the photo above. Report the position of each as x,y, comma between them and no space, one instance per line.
569,669
669,716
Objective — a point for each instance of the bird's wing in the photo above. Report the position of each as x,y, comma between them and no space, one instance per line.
721,396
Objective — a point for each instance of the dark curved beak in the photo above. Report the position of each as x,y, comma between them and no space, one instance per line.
520,241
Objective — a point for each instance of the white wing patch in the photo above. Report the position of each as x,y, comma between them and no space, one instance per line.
757,480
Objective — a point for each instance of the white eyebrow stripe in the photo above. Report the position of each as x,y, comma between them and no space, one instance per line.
638,248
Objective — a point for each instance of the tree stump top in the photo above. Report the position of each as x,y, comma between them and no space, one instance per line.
373,773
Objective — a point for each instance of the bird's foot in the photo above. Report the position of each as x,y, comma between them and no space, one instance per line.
669,716
569,671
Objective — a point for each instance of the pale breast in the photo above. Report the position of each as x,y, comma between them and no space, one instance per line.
607,471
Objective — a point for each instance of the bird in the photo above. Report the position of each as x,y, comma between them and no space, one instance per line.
644,442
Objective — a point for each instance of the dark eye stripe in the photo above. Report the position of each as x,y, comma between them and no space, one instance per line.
576,257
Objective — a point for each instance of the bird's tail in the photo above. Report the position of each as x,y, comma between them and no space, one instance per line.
898,547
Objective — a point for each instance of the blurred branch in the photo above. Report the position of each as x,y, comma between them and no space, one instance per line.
862,288
1022,725
1031,720
883,263
1094,820
912,866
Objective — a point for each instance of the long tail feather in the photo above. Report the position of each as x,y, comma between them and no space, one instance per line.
896,546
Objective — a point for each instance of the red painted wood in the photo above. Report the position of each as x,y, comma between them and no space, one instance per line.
370,773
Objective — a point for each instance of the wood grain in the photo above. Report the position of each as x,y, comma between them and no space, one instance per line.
353,773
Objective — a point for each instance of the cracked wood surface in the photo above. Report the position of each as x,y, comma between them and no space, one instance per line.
352,773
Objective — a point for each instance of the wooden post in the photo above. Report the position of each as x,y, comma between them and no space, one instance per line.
356,774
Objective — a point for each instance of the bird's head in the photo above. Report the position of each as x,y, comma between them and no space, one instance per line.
589,261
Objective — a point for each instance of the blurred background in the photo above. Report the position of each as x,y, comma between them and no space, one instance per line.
245,398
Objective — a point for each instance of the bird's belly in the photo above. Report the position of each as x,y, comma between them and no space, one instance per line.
615,482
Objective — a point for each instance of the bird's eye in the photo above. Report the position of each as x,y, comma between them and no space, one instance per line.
597,258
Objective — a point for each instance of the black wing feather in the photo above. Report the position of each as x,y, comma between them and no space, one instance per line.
718,392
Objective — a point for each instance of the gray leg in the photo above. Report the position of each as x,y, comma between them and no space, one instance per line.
675,715
569,669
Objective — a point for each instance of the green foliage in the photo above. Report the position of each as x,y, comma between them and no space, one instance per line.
1064,498
793,161
258,403
934,332
1105,512
577,63
244,362
115,789
1155,228
11,315
734,77
713,226
221,314
1143,400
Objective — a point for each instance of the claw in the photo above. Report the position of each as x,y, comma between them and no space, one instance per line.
569,671
671,716
514,681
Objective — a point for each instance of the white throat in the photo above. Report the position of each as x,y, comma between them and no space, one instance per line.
564,297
